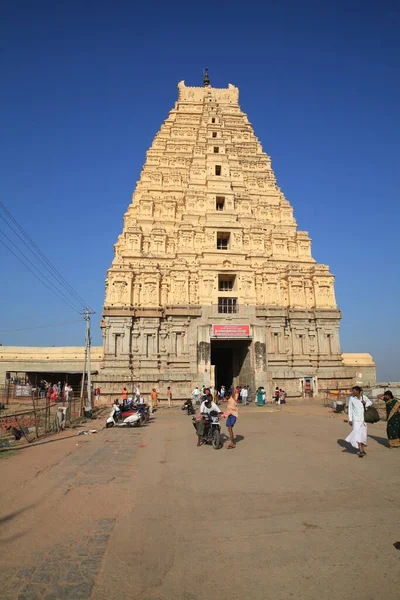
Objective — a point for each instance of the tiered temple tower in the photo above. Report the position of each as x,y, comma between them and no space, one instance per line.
211,280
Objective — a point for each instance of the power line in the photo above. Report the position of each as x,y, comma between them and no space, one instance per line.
39,254
52,289
42,326
33,247
41,275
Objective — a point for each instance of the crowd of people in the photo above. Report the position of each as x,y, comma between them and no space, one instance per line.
55,392
240,393
137,396
61,392
279,396
210,398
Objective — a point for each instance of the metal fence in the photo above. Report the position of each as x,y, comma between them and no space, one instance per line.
19,423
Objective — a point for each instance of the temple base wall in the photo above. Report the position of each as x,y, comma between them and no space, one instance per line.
292,349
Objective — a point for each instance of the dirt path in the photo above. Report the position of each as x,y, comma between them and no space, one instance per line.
58,508
146,515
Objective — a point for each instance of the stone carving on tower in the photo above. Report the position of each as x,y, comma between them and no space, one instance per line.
209,238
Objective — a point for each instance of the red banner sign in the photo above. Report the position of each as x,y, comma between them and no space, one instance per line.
231,331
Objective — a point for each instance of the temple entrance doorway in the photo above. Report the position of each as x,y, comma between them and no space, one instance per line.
232,363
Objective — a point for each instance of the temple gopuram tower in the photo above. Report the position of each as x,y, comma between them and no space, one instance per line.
211,281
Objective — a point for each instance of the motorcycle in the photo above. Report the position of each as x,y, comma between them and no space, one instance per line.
119,419
188,405
144,411
212,429
130,407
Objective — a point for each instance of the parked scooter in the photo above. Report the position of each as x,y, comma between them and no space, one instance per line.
143,410
188,405
120,419
130,407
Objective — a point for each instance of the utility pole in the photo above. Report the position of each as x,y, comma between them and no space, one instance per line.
87,365
83,378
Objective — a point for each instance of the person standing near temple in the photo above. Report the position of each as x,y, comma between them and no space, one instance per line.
66,392
55,396
244,395
282,396
232,411
137,393
42,388
124,394
169,397
357,405
260,396
196,395
154,398
393,418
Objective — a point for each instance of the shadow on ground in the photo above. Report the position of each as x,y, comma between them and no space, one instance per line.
42,443
347,447
12,515
382,441
9,517
225,438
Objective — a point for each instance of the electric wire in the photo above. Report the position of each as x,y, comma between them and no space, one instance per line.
39,254
54,291
34,248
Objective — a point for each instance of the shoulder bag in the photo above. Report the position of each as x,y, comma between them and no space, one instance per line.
371,415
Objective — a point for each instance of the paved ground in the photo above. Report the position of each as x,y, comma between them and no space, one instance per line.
146,515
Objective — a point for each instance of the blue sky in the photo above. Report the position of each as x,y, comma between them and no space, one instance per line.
86,86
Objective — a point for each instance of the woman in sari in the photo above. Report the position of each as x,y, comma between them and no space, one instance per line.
260,396
393,418
54,396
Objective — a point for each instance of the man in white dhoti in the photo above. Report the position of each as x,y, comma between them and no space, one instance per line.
357,404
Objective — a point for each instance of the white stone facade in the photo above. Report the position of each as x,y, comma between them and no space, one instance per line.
210,238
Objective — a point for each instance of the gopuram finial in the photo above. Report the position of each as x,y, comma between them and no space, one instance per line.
206,79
